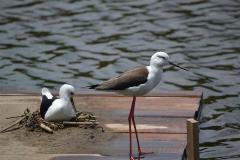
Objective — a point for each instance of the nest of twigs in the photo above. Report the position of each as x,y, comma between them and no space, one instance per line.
32,121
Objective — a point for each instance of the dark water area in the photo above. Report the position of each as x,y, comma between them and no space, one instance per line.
48,43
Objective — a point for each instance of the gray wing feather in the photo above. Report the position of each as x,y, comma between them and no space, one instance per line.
128,79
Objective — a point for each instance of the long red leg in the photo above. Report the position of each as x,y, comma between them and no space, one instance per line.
136,132
130,130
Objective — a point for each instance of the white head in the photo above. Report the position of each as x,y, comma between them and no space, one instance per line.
159,59
66,91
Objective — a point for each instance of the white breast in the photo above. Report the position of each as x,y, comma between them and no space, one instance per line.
60,110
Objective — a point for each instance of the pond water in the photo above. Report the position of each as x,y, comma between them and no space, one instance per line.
48,43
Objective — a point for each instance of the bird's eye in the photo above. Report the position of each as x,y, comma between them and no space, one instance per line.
162,57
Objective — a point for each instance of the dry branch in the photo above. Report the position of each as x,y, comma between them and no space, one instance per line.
14,117
12,125
33,121
46,128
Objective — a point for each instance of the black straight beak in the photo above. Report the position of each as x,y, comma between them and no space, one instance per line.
177,66
74,108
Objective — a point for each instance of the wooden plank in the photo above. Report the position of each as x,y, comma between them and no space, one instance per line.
155,142
112,94
160,120
149,125
145,106
163,156
160,111
192,139
164,146
113,112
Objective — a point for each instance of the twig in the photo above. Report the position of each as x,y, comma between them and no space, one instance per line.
52,126
14,117
13,124
79,123
33,120
46,128
12,129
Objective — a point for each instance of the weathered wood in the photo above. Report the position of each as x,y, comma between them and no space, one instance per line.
161,114
163,156
160,118
145,106
148,124
192,140
79,123
91,93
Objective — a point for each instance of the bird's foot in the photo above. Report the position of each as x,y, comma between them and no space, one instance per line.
136,157
132,157
140,152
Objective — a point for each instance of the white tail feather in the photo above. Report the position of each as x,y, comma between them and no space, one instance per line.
47,93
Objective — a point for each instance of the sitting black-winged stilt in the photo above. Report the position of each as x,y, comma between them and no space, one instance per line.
137,82
54,109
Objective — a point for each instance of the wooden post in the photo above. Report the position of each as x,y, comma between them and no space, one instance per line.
192,140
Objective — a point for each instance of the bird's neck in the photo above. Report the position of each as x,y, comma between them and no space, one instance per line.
64,96
154,69
154,76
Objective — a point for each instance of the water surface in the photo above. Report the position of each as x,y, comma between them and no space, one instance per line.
47,43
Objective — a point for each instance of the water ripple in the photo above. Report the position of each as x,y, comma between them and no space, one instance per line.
47,43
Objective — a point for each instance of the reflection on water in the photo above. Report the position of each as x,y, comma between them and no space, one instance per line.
47,43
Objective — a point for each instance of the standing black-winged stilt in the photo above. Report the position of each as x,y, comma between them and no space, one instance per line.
137,82
62,109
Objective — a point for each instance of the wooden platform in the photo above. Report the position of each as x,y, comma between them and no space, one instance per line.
160,117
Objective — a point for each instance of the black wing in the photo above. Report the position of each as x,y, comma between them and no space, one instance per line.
46,103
